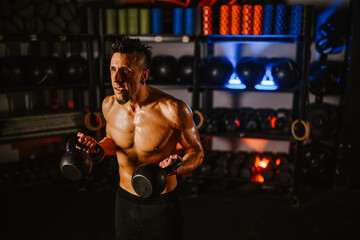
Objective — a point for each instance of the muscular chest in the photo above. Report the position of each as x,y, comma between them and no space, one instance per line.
142,131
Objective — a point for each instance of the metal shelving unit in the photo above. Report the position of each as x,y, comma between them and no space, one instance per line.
17,126
302,42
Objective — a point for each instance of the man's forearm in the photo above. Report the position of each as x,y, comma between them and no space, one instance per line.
108,145
191,161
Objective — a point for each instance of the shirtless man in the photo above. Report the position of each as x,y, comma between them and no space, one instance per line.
145,125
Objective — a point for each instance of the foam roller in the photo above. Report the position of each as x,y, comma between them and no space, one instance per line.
133,21
110,15
122,21
144,21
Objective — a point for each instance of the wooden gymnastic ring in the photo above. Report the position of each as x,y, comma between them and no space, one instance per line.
88,124
201,119
306,127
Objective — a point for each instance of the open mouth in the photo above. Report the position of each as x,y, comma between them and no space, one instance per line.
119,89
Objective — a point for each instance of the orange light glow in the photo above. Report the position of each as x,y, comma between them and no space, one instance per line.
273,121
71,104
237,122
257,145
261,163
257,178
278,161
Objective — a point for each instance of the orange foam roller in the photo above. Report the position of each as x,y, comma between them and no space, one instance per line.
258,18
235,19
207,20
224,26
247,19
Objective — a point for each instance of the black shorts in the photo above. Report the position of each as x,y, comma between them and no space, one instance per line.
158,218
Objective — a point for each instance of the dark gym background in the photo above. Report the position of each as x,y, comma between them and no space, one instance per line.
37,117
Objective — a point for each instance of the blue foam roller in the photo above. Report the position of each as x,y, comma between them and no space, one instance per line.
156,21
178,21
189,21
268,19
296,19
280,19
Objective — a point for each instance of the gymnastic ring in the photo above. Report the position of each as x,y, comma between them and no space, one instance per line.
88,124
201,119
307,130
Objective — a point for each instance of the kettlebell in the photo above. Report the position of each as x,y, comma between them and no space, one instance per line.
75,163
323,120
149,179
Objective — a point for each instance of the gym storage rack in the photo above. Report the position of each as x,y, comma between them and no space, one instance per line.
37,123
105,39
302,58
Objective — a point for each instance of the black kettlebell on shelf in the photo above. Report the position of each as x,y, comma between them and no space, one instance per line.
149,179
326,77
75,163
283,120
323,119
75,69
13,71
265,118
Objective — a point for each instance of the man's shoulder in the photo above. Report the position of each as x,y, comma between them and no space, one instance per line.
109,99
107,103
166,100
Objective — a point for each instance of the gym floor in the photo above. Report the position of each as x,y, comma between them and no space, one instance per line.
63,210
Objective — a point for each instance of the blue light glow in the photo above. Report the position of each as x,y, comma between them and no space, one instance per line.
235,83
265,87
267,83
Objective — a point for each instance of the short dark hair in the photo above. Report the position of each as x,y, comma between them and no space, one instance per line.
129,45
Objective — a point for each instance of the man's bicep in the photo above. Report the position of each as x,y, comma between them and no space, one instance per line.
190,138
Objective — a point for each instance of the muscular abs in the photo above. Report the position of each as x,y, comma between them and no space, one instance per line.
142,135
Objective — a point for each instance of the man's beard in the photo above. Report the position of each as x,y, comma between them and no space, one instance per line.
123,101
